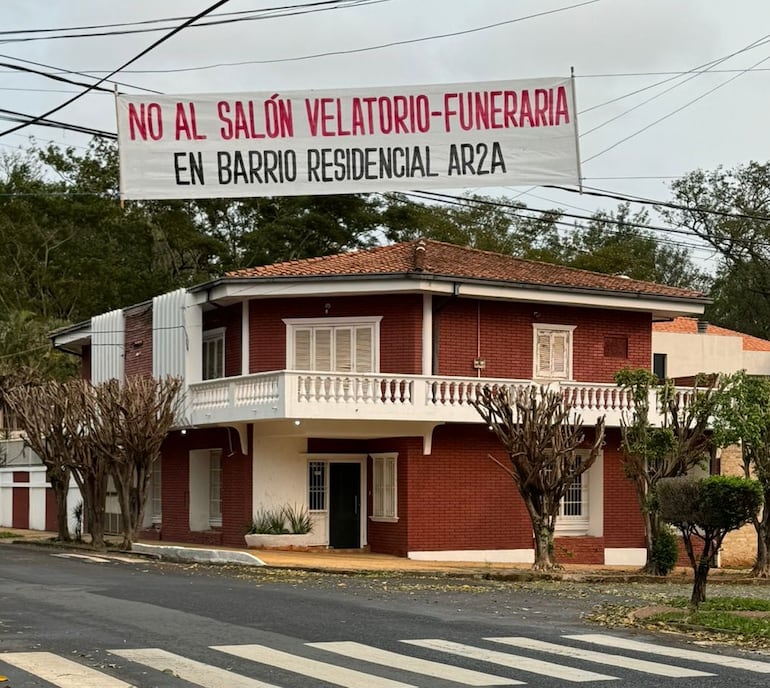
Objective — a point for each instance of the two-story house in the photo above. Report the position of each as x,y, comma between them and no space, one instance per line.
342,384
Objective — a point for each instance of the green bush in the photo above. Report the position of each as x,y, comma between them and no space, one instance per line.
665,550
285,520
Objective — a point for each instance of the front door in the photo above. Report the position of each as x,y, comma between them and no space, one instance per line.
345,505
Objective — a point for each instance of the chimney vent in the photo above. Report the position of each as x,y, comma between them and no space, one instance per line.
419,256
703,326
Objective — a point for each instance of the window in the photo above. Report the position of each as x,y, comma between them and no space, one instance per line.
553,352
579,512
316,486
384,487
333,345
156,493
659,362
213,354
215,487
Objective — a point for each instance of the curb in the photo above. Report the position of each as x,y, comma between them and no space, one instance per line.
196,554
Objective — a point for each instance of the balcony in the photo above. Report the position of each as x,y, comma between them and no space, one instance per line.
344,396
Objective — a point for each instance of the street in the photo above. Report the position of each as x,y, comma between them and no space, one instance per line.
69,619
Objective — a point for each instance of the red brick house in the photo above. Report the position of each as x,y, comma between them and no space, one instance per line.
341,384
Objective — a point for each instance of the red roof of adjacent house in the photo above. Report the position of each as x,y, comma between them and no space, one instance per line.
690,326
427,256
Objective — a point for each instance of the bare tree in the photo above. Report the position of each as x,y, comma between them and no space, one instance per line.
542,437
131,419
89,466
41,412
682,441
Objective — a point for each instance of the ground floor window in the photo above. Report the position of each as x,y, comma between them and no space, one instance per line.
215,487
155,492
317,486
384,487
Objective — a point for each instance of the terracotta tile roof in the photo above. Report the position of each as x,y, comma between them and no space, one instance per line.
449,260
690,326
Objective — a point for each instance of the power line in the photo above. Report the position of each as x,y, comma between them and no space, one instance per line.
13,116
351,51
53,75
259,15
673,112
154,45
37,72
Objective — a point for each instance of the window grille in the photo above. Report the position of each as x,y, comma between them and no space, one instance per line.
317,486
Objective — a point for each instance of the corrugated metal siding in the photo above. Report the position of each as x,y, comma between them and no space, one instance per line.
107,346
169,337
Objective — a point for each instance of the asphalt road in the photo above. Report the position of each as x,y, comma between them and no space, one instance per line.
72,621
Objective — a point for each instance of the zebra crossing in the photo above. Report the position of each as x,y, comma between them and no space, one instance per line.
501,657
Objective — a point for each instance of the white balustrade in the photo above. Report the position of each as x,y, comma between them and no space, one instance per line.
290,394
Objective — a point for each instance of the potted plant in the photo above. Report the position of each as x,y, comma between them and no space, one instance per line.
286,526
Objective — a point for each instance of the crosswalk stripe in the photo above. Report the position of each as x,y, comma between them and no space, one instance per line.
310,667
506,659
665,651
621,661
83,557
189,670
59,671
415,665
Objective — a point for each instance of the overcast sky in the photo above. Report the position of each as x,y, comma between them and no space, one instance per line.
615,46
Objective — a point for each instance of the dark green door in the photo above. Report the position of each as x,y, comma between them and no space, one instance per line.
345,505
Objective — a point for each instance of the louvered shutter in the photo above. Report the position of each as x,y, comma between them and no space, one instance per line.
364,350
543,355
559,354
323,349
302,349
343,350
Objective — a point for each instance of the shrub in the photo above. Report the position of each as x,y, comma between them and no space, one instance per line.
665,550
285,520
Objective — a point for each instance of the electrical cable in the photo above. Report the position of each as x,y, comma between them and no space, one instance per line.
141,54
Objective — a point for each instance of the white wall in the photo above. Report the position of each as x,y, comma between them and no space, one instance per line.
280,478
690,354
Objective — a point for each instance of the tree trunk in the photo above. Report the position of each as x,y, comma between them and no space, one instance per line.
60,484
762,564
699,580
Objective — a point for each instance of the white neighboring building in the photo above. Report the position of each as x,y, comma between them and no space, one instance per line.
684,347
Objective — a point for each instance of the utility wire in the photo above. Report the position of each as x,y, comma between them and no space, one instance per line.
262,14
154,45
673,112
351,51
52,75
13,116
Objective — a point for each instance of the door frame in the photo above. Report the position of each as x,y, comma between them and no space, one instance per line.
359,459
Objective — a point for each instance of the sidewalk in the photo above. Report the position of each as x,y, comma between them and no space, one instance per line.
356,561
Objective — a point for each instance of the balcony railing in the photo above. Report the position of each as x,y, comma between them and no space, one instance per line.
344,396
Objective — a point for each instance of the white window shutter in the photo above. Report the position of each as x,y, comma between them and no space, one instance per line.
543,355
323,349
559,354
343,350
302,348
364,350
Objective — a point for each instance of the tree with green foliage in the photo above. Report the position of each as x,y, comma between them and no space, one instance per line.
728,209
617,242
668,446
705,510
743,418
541,435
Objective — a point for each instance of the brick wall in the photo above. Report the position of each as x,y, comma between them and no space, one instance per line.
138,342
502,334
231,319
739,548
623,526
400,328
175,495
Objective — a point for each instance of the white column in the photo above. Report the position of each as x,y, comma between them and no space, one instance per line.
427,334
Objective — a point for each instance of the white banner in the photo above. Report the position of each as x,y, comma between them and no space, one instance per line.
348,141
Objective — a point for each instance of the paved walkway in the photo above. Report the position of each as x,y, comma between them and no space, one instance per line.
355,560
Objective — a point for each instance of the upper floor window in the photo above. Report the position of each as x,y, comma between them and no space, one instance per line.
213,354
333,344
552,352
